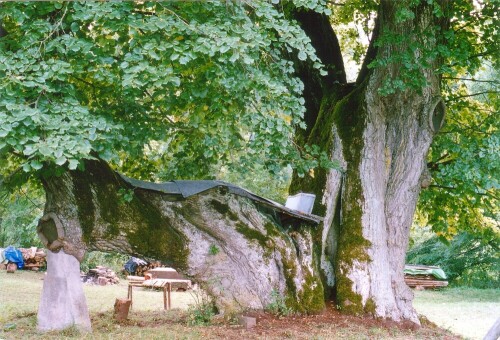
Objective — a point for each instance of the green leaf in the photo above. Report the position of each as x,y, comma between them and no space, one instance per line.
36,164
45,150
75,27
26,167
61,160
73,164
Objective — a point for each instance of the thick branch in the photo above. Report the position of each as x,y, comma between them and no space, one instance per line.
371,53
318,28
3,32
180,224
473,80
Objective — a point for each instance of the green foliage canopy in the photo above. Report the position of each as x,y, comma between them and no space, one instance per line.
177,86
178,89
468,260
19,214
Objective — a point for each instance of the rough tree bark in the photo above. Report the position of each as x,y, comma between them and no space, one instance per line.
238,250
381,142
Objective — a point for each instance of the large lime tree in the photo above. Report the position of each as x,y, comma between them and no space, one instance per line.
176,90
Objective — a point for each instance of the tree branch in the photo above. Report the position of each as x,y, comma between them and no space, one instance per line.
159,109
474,80
371,52
324,40
434,165
486,193
38,206
3,32
82,80
318,28
470,95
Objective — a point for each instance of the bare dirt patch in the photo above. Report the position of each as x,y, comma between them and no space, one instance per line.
328,325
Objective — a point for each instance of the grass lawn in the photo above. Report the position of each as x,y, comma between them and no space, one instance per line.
465,311
20,294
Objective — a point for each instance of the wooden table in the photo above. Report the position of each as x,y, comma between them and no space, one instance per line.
165,284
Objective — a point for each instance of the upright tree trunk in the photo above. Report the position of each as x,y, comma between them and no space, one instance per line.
381,142
240,251
384,148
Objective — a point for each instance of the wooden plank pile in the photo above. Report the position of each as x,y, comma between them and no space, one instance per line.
424,282
423,277
101,276
34,258
179,282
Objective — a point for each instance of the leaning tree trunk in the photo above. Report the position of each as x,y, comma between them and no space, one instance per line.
381,143
239,251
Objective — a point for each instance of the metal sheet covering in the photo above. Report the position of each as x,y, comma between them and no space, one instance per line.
190,188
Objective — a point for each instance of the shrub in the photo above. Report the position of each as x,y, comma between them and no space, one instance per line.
468,259
277,306
203,311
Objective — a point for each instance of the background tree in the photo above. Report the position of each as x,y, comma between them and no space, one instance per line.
467,259
19,214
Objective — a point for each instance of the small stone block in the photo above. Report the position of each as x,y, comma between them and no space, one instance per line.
247,321
419,288
102,281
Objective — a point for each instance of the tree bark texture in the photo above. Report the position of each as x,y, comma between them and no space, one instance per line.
381,143
235,249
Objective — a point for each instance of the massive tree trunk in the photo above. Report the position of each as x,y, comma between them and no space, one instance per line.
381,142
239,249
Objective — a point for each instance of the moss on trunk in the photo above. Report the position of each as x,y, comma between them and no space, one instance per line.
350,119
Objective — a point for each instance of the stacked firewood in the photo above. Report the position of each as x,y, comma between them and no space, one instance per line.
101,276
34,258
142,269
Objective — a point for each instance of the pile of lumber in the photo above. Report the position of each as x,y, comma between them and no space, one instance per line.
101,276
424,277
34,258
424,282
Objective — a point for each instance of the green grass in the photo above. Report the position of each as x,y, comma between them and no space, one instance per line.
466,311
20,294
